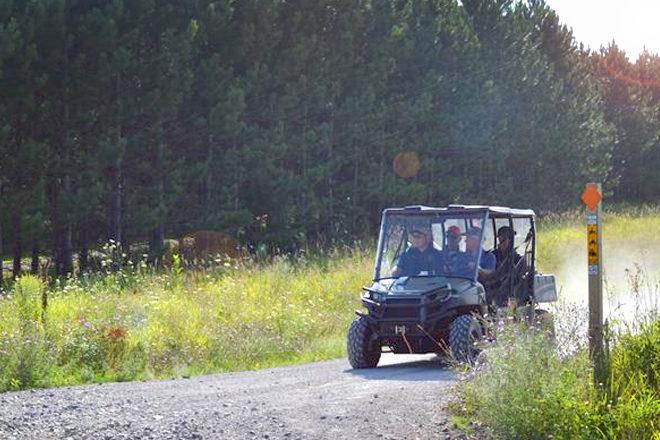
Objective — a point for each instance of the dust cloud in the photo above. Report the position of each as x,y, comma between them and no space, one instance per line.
631,276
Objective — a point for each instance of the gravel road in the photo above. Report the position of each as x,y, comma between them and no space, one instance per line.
401,399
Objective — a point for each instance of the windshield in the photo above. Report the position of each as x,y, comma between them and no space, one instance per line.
434,244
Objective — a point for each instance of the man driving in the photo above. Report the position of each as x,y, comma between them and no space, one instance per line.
420,257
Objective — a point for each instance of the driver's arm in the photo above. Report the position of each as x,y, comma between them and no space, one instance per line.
401,265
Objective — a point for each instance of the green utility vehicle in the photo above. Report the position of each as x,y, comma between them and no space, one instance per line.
439,272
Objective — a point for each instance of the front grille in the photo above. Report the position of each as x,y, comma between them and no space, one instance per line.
400,313
401,308
403,301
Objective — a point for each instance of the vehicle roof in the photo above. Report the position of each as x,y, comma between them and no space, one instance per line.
493,211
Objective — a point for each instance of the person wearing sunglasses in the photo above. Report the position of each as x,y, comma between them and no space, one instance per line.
420,258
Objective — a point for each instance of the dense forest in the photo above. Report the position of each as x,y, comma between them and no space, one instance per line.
285,121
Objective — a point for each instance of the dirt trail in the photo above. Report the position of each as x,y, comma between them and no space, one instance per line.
401,399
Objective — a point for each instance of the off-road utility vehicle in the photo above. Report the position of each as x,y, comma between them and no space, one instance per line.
431,289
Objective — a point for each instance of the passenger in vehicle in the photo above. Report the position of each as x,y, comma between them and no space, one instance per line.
505,246
420,257
487,262
452,257
464,264
454,236
510,266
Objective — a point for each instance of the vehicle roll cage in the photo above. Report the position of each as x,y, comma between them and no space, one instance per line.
491,215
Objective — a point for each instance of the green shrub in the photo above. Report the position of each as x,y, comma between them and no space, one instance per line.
635,360
27,361
526,389
27,295
554,394
137,323
634,382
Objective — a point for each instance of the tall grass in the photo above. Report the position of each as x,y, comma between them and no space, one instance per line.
535,387
630,235
137,324
226,315
24,349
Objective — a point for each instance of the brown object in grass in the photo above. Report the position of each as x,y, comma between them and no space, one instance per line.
204,244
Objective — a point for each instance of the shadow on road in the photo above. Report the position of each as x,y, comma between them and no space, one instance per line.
407,368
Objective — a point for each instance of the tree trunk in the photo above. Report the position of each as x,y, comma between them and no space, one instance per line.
381,175
52,195
125,245
157,245
331,182
2,253
34,264
83,256
208,184
305,193
117,213
66,233
431,185
67,238
237,192
356,180
117,204
18,245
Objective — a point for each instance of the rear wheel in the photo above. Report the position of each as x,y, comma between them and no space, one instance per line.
464,332
361,353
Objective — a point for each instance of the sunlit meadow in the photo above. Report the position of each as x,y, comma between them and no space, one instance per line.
233,315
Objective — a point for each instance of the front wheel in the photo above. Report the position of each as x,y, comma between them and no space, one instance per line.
464,333
361,353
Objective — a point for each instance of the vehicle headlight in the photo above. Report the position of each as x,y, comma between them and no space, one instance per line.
374,296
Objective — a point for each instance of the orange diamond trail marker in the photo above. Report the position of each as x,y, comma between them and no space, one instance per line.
592,196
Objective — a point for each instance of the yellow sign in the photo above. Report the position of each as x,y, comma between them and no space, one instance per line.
592,244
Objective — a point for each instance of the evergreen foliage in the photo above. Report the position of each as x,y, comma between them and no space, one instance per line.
279,122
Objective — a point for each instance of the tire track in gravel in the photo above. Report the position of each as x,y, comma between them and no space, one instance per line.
401,399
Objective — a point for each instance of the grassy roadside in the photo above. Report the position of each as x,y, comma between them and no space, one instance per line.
139,325
526,388
233,315
531,387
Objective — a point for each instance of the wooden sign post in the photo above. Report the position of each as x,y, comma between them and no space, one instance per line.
592,197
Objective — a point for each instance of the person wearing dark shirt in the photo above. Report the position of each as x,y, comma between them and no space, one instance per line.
420,257
498,281
505,247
